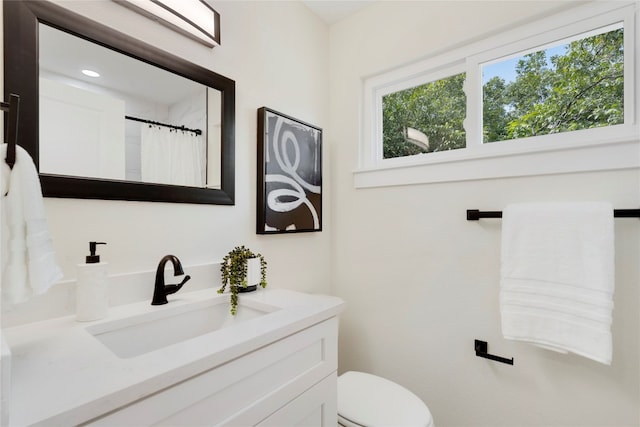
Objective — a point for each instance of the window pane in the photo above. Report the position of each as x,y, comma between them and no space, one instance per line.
424,118
576,85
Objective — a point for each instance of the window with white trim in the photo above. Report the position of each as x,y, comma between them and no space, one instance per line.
564,83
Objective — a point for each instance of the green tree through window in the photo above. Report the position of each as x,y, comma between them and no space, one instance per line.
436,109
581,87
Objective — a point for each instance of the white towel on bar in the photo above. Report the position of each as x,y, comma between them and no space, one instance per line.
557,276
28,259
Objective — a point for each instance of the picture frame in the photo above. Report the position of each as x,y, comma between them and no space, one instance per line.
289,174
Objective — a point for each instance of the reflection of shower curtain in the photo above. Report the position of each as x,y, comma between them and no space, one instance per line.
172,157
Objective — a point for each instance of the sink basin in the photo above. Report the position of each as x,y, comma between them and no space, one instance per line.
139,334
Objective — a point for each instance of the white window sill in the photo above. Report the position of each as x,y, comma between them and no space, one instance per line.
503,160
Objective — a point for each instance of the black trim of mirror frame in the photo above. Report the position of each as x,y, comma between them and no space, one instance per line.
21,20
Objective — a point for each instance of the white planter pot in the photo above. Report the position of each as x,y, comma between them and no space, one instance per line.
253,271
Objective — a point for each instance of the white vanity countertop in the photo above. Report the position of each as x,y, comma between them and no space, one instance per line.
62,375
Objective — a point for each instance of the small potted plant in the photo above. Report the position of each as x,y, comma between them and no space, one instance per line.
239,271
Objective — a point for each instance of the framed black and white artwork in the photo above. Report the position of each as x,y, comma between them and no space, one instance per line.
289,174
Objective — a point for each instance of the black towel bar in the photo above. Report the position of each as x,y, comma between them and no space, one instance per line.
475,214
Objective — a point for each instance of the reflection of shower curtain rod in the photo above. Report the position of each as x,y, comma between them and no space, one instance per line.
151,122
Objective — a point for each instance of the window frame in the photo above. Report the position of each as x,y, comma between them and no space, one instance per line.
604,148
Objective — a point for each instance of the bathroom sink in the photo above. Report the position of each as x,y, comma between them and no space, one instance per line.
139,334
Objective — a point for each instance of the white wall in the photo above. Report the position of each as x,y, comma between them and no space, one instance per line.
271,68
421,282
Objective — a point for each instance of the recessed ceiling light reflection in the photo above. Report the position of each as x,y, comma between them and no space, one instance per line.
90,73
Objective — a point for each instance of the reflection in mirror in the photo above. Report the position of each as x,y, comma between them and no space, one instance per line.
109,116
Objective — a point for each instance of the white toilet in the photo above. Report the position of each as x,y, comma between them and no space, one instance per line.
365,400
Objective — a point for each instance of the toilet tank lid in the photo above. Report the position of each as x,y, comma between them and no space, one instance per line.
369,400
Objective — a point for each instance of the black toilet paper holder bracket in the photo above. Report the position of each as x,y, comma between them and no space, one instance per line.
482,350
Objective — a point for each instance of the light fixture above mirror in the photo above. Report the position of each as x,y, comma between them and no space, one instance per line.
193,18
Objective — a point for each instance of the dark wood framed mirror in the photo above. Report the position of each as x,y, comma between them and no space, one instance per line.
23,22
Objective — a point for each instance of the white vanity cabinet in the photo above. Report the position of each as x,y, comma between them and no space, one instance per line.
290,382
273,364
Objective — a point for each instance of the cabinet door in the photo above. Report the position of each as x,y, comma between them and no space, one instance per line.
79,124
316,407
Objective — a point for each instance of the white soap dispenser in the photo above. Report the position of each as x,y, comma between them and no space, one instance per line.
92,300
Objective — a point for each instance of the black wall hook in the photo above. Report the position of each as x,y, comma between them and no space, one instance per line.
482,348
12,107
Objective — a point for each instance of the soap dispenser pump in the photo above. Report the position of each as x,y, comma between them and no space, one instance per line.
92,258
91,291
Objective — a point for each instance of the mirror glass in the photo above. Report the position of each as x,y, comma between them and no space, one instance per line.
107,115
90,138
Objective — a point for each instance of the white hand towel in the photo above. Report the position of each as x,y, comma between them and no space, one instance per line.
28,259
557,276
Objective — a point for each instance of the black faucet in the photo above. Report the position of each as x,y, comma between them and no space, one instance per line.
161,290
